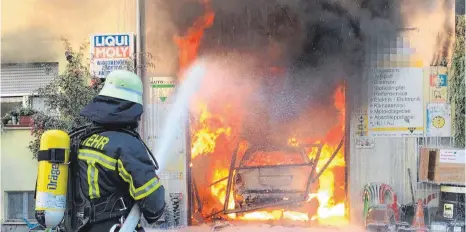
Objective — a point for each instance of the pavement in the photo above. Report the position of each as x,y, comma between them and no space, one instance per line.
258,228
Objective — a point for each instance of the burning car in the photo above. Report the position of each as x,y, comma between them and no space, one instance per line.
258,184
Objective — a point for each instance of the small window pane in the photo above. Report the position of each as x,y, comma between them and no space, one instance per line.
38,103
7,107
31,205
15,205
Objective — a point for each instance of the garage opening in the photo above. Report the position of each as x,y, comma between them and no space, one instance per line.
267,132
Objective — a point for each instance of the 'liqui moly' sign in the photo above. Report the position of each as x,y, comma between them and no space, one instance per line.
110,52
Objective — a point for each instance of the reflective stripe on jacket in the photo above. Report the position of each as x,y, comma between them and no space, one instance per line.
116,161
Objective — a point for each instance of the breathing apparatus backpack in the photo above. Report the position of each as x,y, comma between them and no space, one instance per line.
60,201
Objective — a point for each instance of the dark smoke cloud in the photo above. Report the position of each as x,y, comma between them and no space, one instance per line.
310,34
30,45
319,44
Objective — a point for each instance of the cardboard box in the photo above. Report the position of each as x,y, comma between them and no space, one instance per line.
442,165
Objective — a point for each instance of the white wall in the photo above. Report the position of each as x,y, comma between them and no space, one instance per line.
18,169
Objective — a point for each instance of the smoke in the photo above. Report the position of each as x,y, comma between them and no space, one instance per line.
34,31
433,23
19,48
317,45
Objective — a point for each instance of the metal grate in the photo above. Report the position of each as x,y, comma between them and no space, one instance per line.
24,79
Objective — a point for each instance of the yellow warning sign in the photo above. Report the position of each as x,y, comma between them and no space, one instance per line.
362,123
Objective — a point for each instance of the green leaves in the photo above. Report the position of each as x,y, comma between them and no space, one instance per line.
64,97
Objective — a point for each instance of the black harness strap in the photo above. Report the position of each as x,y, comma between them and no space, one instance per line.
113,206
54,155
77,214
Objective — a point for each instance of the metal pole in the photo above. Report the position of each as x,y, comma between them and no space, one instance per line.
140,56
349,103
138,36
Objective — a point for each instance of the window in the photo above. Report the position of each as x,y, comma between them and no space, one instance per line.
22,79
10,103
20,205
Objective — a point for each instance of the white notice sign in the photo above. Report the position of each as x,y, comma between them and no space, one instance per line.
438,120
395,102
452,156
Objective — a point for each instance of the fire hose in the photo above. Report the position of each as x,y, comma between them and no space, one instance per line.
131,220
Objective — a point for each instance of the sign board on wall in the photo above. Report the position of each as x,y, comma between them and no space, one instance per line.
362,140
452,156
438,88
438,120
162,89
110,52
396,102
362,123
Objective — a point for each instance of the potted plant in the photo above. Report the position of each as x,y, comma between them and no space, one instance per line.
14,116
25,116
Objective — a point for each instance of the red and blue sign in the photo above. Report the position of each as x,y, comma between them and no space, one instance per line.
110,52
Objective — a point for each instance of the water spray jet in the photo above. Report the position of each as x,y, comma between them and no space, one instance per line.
179,110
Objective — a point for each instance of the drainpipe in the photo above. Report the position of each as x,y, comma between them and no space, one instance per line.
140,56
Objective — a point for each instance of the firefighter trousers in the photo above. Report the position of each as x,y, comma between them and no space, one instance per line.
112,225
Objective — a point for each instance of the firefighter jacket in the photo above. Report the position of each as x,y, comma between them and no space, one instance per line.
114,161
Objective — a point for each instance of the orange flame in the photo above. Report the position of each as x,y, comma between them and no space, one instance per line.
188,45
328,212
204,138
208,127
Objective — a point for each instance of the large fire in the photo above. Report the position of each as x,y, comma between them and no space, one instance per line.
188,44
329,211
214,127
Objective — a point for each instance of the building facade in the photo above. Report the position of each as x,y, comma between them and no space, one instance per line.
32,53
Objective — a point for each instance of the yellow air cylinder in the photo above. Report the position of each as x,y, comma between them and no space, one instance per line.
52,178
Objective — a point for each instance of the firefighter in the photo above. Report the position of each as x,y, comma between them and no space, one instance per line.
114,168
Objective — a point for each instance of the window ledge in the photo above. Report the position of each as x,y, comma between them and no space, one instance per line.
15,127
17,222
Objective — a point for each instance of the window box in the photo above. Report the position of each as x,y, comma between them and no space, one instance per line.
25,121
21,117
